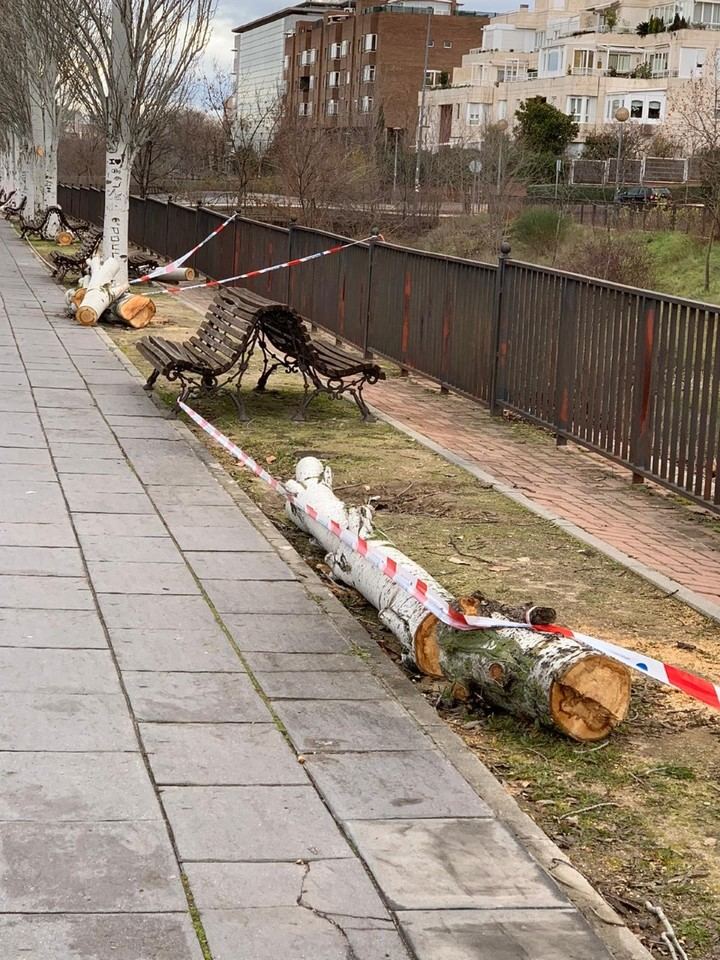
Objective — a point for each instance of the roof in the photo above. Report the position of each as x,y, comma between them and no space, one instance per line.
307,7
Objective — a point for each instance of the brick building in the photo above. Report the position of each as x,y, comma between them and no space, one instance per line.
363,65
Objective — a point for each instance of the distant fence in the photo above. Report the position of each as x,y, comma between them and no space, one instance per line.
688,218
645,170
629,373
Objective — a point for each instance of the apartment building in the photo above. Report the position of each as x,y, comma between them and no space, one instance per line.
587,59
363,65
258,67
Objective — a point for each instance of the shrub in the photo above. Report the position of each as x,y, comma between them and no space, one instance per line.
618,257
540,227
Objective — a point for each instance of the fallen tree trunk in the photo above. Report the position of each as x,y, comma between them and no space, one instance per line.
64,238
539,676
176,276
132,309
101,290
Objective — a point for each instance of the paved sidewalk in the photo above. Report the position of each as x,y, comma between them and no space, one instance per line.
662,540
163,662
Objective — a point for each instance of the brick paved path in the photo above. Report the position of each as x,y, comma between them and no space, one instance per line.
163,660
578,487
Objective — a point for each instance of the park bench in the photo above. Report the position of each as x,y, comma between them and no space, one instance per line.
140,264
75,262
12,210
37,227
286,342
217,355
5,197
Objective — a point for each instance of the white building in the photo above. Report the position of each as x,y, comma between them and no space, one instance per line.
258,69
587,59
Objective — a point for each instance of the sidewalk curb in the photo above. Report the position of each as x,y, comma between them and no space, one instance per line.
605,922
670,587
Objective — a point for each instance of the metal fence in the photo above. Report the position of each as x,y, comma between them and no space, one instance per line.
631,374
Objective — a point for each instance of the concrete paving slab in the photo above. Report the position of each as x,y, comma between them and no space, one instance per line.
37,534
65,722
24,455
276,633
100,484
24,670
207,651
16,401
206,495
500,935
112,576
333,685
51,628
344,725
155,936
126,403
403,854
258,596
65,399
252,823
238,754
102,501
11,379
195,698
63,450
401,785
49,378
234,565
51,787
148,427
294,933
130,549
304,662
119,525
31,503
27,473
88,868
41,561
57,593
95,467
156,612
236,537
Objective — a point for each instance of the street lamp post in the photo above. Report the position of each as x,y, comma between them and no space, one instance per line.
421,112
622,115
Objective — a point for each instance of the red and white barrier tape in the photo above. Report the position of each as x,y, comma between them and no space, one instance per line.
691,684
176,264
276,266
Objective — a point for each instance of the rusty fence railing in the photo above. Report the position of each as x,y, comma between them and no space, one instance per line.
631,374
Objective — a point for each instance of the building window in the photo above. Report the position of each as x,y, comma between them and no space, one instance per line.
307,57
475,114
457,111
552,60
583,62
636,109
447,44
337,50
332,108
502,109
707,14
619,63
368,73
366,105
431,43
370,42
333,78
306,83
581,109
305,109
286,62
433,78
654,109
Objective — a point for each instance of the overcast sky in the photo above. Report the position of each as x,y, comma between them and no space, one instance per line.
232,13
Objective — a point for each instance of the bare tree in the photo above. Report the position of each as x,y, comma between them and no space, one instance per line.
135,59
696,110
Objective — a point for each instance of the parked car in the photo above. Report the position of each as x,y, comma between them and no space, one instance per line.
659,195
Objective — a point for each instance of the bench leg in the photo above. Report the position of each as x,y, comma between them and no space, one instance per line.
150,382
265,376
239,404
366,415
299,416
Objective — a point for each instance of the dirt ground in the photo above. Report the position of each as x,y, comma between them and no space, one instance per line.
638,814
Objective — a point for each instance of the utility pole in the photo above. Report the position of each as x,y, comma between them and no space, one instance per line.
421,112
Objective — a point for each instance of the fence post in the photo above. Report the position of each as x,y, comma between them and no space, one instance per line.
565,357
642,389
290,254
374,235
497,327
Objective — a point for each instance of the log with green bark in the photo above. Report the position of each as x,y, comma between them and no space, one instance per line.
540,676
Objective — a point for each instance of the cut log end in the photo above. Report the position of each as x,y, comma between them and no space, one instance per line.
86,316
135,310
63,238
591,698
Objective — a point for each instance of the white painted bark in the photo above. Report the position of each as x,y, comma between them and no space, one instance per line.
105,285
51,174
544,677
118,165
176,276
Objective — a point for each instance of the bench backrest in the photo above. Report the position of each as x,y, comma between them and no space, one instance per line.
230,325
